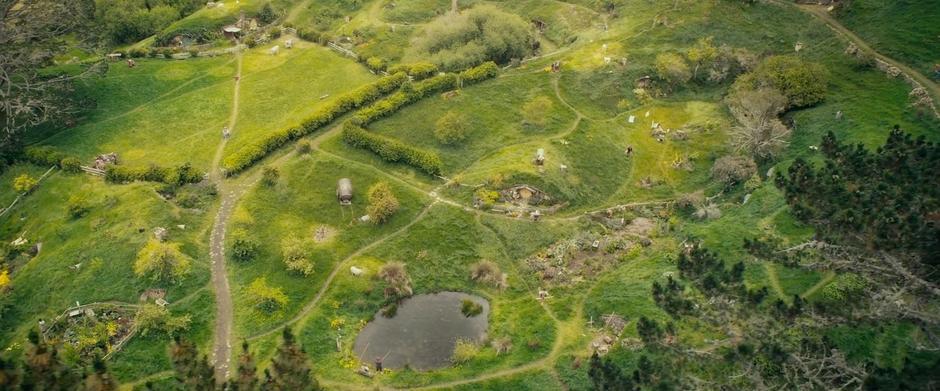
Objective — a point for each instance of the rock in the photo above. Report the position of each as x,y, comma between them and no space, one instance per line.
160,234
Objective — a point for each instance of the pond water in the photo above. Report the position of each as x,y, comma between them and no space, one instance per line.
423,332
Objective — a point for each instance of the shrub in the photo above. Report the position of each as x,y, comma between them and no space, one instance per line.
155,318
176,176
487,70
470,308
451,128
803,83
270,176
304,148
758,132
464,351
294,252
485,272
24,183
43,156
691,200
418,70
162,262
733,169
266,298
71,165
392,150
398,283
672,68
244,249
308,35
382,203
376,64
77,206
486,197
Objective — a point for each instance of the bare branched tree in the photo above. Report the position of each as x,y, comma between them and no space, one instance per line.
31,34
759,131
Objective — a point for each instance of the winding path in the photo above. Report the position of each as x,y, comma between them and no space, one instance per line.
821,13
222,342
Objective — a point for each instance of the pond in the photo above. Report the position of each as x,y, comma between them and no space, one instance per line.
423,332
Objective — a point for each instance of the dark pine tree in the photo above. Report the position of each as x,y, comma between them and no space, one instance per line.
99,379
43,369
246,379
607,376
290,369
885,200
191,372
9,375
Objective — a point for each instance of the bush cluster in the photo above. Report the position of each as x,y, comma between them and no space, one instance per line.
486,70
392,150
170,175
252,153
417,70
48,156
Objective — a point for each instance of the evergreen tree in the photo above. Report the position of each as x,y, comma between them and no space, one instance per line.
606,376
100,379
882,200
246,379
191,372
43,370
290,369
9,375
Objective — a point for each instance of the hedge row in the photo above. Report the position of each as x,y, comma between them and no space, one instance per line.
48,156
418,70
252,153
487,70
170,175
408,94
392,150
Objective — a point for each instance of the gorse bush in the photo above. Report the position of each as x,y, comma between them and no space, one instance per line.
252,153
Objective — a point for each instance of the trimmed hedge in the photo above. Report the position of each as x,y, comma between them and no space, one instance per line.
418,70
486,70
408,94
170,175
44,156
392,150
252,153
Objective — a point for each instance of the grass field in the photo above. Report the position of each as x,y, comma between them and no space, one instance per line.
171,112
899,29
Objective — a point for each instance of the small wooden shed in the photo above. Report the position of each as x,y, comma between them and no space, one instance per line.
344,191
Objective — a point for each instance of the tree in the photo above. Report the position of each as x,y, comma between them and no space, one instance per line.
192,372
24,183
704,52
733,169
803,83
606,376
294,251
535,111
31,35
451,128
43,368
163,262
10,375
759,131
246,378
100,379
155,318
672,68
482,33
397,280
267,14
382,202
266,299
290,369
